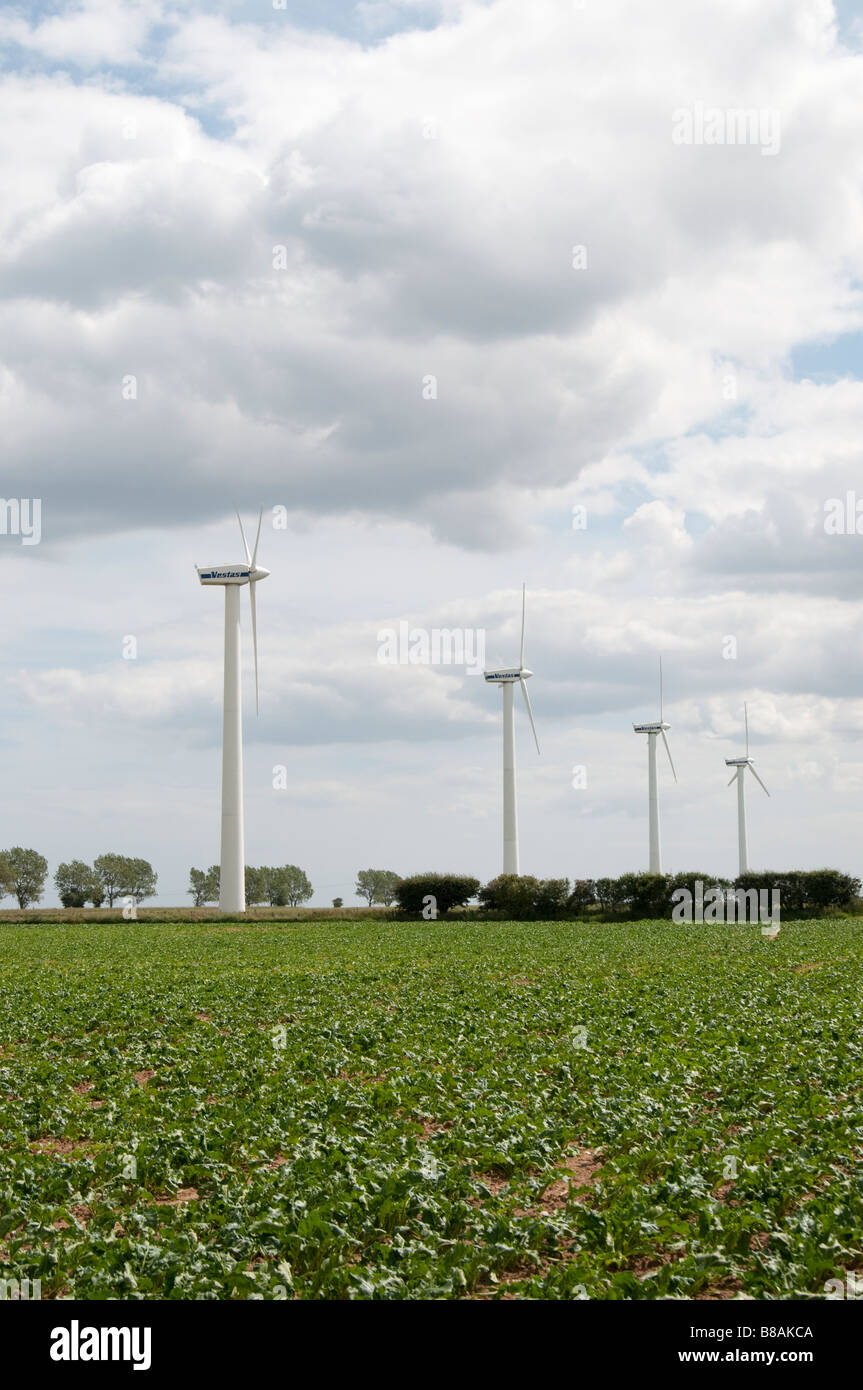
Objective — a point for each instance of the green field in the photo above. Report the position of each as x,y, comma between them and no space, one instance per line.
352,1110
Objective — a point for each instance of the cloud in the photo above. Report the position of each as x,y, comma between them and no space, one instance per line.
378,15
87,34
428,288
382,216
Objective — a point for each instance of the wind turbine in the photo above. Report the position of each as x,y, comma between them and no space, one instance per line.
506,677
232,881
653,730
740,765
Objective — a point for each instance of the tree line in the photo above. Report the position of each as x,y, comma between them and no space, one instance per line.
636,895
285,886
23,873
288,886
113,877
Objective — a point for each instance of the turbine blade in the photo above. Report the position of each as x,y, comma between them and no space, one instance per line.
523,685
746,720
245,542
757,778
255,639
668,751
521,657
733,780
660,696
257,537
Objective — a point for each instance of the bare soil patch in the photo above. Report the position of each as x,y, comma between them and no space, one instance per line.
726,1288
185,1194
82,1214
581,1167
49,1145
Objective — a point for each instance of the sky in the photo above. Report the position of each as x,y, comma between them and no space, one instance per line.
465,295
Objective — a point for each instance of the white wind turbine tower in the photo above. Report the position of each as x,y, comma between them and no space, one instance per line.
506,677
653,730
740,765
232,882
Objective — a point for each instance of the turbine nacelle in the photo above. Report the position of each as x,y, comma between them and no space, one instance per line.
507,676
512,675
231,574
654,727
248,573
746,761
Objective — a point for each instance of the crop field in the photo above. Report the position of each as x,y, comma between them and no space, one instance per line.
351,1110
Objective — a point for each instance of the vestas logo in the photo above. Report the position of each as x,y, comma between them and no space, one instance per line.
501,675
224,574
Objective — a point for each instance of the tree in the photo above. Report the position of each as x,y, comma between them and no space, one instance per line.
338,902
293,886
23,874
650,895
257,885
792,889
204,886
816,889
285,886
366,884
690,879
198,886
512,893
141,880
265,887
74,883
389,887
122,877
109,870
610,894
278,886
828,888
583,895
377,886
552,897
448,890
